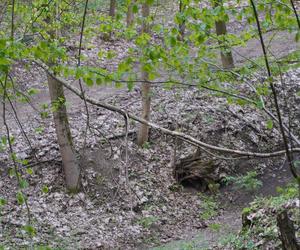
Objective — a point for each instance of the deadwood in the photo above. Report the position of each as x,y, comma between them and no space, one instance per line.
187,138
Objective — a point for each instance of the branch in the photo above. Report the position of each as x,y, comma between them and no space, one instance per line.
275,97
79,81
295,12
187,138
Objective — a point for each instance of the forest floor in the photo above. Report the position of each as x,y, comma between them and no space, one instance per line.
151,210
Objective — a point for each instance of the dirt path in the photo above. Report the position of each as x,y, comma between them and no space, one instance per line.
229,221
278,43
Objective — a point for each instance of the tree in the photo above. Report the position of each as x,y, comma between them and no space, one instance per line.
221,31
61,121
130,13
112,8
181,25
63,133
143,133
112,14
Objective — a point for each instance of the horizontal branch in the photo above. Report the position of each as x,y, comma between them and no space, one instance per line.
187,138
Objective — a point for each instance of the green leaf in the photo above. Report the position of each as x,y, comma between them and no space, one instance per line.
2,202
23,184
2,43
4,140
45,189
39,130
23,162
173,41
44,114
99,80
32,91
259,104
149,2
100,54
11,172
78,73
29,171
269,124
110,54
130,86
30,230
89,81
135,9
20,198
4,61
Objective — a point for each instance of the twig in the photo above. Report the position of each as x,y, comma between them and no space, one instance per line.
78,65
11,148
19,122
295,12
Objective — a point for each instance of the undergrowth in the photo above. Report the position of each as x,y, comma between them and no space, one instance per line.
262,233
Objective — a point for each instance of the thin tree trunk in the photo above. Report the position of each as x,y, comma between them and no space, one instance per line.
63,133
143,134
226,55
62,128
130,14
112,8
112,14
182,22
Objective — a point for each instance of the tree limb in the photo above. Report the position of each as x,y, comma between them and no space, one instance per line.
187,138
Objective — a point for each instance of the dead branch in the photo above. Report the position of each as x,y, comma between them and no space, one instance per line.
187,138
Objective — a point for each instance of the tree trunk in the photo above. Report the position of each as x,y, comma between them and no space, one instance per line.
143,134
226,55
63,133
182,22
112,14
112,8
287,232
130,14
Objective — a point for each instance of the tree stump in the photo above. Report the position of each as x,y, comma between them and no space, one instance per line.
287,232
196,173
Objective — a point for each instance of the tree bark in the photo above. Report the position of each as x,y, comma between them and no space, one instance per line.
182,22
287,232
112,8
112,14
226,55
63,133
130,14
143,134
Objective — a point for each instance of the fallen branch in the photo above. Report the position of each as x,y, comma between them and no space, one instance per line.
187,138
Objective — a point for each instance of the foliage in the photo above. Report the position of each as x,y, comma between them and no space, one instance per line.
209,207
263,229
249,182
42,31
148,221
